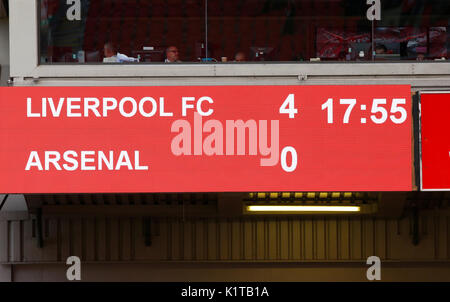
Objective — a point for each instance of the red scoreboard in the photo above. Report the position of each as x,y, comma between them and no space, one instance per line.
205,139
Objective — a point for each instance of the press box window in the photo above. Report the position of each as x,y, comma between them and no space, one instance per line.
151,31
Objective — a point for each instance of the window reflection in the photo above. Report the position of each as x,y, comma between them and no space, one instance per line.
176,31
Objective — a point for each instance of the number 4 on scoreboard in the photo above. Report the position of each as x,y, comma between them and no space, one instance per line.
288,106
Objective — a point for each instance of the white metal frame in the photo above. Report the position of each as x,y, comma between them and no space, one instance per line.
420,136
25,65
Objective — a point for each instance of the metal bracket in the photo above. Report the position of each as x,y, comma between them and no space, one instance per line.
147,230
302,77
39,232
2,203
415,225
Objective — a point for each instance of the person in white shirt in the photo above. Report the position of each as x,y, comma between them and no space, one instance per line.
172,55
112,56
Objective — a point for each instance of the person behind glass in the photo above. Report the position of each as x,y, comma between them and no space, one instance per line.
240,57
420,57
172,55
113,56
342,56
380,49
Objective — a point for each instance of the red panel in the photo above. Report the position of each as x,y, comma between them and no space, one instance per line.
338,156
435,109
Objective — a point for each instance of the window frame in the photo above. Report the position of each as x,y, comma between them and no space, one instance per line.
24,56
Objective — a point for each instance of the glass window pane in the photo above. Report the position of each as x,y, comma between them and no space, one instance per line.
156,31
412,30
136,29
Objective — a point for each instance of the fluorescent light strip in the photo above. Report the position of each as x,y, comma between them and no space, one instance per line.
303,209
